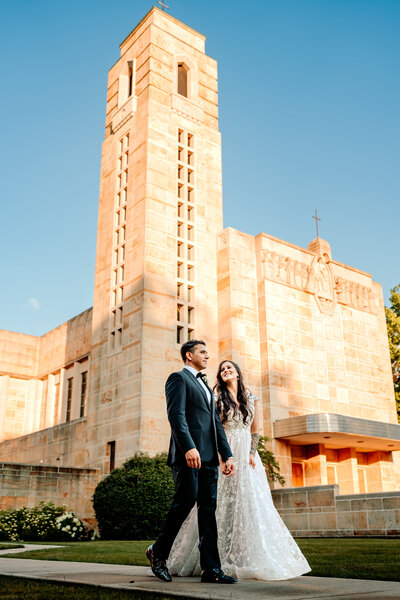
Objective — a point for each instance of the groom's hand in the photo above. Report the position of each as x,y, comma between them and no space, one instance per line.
228,468
193,458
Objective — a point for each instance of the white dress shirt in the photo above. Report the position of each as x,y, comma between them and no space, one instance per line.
199,379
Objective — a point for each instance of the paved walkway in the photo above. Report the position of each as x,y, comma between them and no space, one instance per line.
27,547
121,576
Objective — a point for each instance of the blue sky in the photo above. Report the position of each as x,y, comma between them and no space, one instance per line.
309,98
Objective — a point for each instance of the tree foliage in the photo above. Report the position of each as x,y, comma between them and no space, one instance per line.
269,461
393,326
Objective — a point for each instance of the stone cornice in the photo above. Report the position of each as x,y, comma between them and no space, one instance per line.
153,10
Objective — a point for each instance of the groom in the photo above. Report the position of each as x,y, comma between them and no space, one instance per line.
197,437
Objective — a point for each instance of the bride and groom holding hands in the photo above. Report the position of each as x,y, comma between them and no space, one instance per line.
235,525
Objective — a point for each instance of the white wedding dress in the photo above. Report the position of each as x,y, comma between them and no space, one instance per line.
253,541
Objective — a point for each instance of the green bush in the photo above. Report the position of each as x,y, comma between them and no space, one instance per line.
132,502
9,526
45,522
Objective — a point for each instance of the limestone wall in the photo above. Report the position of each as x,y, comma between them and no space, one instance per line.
325,335
67,442
310,335
33,377
238,325
28,485
319,511
19,391
19,354
20,404
66,343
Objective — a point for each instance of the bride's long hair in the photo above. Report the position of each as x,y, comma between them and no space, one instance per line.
225,402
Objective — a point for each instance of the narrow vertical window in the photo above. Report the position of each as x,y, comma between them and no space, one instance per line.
182,80
83,394
179,334
130,80
69,399
179,310
111,455
56,395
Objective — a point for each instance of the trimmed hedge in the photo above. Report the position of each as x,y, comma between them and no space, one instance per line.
132,502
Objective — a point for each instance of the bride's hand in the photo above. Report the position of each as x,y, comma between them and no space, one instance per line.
252,461
228,468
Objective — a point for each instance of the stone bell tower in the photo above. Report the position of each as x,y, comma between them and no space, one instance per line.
159,214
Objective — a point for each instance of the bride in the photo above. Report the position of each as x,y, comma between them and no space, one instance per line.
253,541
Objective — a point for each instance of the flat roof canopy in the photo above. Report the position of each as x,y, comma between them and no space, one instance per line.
339,431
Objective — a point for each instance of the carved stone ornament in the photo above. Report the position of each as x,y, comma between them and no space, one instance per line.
318,278
321,283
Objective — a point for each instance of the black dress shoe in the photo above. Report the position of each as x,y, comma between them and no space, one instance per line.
158,565
216,576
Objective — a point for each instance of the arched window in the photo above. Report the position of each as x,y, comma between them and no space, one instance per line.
182,80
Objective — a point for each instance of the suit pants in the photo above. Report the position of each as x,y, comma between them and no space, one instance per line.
191,486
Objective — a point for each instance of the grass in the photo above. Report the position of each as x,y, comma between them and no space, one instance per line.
13,588
364,558
114,552
7,546
353,558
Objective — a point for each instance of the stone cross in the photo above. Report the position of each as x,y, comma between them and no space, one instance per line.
316,220
162,4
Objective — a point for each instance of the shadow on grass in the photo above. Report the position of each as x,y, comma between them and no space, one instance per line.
14,588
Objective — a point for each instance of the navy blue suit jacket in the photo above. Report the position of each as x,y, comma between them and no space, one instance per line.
194,422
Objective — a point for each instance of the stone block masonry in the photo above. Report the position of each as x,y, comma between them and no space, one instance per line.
28,485
319,511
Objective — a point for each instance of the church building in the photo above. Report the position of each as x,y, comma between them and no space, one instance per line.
308,331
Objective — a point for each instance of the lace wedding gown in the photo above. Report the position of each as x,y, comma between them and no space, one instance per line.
253,541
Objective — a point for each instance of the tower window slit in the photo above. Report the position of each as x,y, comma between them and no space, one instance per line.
179,334
182,80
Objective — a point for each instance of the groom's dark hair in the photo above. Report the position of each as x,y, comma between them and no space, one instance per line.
188,347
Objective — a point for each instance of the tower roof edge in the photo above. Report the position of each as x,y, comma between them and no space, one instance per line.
157,11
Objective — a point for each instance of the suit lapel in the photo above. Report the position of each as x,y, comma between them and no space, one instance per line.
199,387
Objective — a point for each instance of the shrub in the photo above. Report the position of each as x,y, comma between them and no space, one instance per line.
9,526
132,502
43,522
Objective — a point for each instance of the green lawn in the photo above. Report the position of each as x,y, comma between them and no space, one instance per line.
13,588
8,546
116,552
351,558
